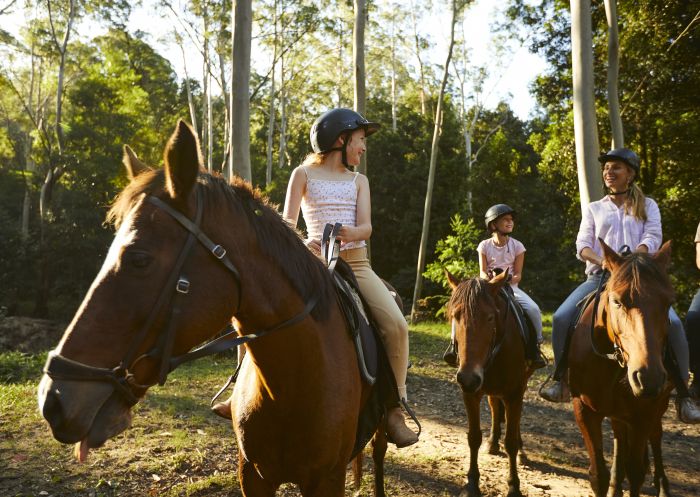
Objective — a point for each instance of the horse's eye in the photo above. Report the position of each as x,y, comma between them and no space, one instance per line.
491,318
617,303
138,259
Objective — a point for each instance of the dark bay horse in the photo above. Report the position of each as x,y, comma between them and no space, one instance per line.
165,287
616,370
492,362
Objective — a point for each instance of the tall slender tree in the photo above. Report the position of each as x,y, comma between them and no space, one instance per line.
456,7
585,124
242,22
358,52
618,137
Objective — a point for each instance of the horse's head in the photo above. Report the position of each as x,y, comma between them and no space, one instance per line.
635,309
475,319
159,293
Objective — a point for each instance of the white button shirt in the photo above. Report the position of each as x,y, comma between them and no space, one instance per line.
603,219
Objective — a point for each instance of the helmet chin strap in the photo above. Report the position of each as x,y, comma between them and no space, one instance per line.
343,149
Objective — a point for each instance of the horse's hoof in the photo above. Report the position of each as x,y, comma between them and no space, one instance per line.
470,492
492,448
515,492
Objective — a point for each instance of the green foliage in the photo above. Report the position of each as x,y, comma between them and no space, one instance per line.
456,252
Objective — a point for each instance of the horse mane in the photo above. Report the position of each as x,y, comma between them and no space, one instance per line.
636,269
465,298
275,237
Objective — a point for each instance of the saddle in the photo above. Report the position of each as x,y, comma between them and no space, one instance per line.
372,361
525,325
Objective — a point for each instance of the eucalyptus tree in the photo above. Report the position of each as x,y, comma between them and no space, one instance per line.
241,20
359,79
456,7
618,139
585,124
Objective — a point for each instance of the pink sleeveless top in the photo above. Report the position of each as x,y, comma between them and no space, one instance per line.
330,201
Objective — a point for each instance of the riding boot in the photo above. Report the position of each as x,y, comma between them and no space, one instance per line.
223,409
557,391
450,355
535,358
396,429
688,411
694,388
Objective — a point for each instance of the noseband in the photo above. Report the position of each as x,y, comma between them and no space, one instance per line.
173,293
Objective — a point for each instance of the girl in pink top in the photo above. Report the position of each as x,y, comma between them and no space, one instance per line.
501,252
326,190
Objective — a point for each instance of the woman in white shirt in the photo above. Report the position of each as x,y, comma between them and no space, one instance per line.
625,216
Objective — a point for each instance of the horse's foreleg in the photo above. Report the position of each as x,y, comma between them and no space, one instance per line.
589,422
357,472
637,458
496,406
471,404
252,484
617,472
513,409
379,444
333,485
660,479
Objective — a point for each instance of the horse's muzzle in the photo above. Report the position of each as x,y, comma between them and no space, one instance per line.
647,383
470,381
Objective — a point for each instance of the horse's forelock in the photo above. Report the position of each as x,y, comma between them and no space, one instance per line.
148,182
639,275
465,298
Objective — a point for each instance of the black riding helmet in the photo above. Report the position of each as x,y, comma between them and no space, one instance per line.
335,122
496,211
623,154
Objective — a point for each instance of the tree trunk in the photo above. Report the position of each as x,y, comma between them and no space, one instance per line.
585,125
420,61
613,70
358,52
242,21
271,121
283,117
55,169
188,89
393,73
431,173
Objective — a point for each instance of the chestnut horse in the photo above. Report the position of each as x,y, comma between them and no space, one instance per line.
492,362
616,370
166,287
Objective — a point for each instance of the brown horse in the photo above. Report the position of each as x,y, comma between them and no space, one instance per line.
492,362
166,287
616,370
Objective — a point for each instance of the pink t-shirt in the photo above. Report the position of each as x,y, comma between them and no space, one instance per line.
500,257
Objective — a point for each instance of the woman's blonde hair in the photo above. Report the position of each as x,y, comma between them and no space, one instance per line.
636,202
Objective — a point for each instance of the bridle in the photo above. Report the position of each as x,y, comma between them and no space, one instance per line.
618,354
496,339
172,294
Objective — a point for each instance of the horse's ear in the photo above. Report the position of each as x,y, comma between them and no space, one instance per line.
612,258
182,162
498,281
133,165
451,279
663,256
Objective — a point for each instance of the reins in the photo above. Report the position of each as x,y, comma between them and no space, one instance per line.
617,354
174,291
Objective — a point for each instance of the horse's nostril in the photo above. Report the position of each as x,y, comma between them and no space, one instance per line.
52,409
470,382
